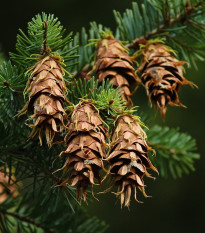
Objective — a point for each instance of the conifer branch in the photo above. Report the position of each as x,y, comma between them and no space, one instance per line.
175,150
44,46
183,16
180,43
27,220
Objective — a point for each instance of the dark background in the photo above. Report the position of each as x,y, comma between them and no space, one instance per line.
176,206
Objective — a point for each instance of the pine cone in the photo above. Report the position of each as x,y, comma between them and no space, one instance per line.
46,98
86,148
162,76
128,158
113,63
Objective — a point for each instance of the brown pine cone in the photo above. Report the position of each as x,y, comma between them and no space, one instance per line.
46,90
85,148
114,63
162,75
128,158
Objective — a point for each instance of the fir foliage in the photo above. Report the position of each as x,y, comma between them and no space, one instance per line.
85,42
104,96
17,215
11,80
174,20
107,100
12,84
42,29
175,151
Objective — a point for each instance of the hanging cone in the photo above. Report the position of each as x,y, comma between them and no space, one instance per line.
162,76
128,158
114,63
46,89
85,148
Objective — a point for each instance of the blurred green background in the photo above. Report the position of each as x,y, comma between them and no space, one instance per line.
176,206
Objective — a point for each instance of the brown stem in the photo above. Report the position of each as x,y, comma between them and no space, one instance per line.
189,10
44,48
28,220
183,45
162,147
179,42
166,14
196,24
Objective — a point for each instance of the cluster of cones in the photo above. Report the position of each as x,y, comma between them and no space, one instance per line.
85,152
162,75
85,148
46,90
114,63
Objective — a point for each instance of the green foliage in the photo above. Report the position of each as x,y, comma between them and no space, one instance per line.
81,89
182,27
86,52
30,45
175,151
108,100
41,206
32,215
85,40
135,23
12,84
12,80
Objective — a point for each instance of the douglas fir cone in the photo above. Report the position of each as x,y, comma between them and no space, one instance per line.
128,158
46,89
162,75
114,63
85,148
